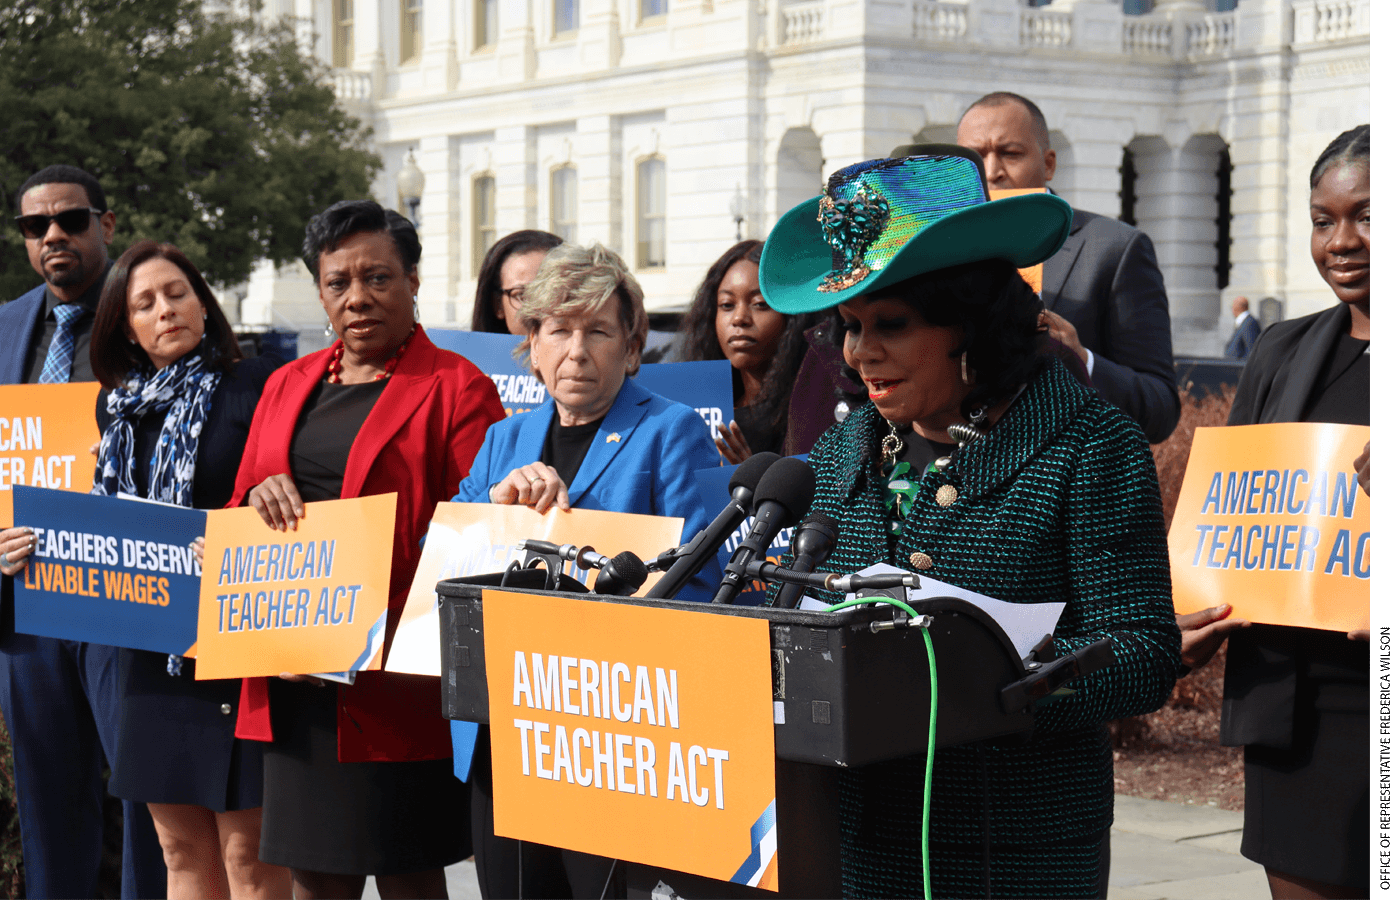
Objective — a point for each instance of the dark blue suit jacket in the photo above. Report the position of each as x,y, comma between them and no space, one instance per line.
18,320
1242,341
648,469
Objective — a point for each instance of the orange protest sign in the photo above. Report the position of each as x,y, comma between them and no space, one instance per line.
636,732
476,538
1270,519
1034,275
305,601
46,433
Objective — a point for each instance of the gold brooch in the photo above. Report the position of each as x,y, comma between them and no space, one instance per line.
947,495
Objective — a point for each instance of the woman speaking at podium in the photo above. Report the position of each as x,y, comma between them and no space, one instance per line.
981,462
602,442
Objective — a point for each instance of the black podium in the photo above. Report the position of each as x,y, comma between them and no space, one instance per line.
849,688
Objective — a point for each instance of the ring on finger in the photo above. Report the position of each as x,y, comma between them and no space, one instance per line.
5,560
536,478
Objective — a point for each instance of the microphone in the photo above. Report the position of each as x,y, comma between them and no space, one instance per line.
682,563
622,575
841,584
784,493
812,543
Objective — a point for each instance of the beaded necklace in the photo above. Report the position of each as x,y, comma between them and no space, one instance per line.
338,351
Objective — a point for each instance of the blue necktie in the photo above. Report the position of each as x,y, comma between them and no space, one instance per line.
58,365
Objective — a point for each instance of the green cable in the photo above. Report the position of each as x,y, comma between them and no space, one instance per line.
932,718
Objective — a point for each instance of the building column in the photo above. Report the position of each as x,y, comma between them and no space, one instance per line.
369,45
1092,179
439,46
598,152
514,155
1176,189
439,270
515,42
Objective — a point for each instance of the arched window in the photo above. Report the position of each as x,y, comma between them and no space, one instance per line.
1222,219
410,30
1127,189
483,217
563,203
651,213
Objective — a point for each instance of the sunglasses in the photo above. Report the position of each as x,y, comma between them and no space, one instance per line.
73,222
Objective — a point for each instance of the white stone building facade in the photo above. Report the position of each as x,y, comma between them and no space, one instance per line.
643,123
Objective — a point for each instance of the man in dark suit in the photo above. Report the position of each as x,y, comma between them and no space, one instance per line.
1103,293
1247,330
59,697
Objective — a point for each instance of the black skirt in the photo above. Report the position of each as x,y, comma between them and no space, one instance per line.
360,818
175,740
1307,806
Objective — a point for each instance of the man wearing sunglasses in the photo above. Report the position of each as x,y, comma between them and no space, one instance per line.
59,697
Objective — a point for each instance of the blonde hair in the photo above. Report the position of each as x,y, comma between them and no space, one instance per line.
575,280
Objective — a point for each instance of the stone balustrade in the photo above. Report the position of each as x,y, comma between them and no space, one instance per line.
1046,28
940,21
1178,35
803,23
1321,21
352,86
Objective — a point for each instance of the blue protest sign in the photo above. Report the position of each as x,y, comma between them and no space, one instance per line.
491,353
109,571
706,387
714,493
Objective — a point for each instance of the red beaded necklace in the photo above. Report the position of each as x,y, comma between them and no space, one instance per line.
338,351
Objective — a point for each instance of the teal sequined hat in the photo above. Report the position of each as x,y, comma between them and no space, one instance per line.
879,222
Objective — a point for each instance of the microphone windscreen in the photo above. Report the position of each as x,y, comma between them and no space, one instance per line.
630,568
790,482
750,472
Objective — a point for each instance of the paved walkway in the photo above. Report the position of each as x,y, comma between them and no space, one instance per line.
1161,851
1170,851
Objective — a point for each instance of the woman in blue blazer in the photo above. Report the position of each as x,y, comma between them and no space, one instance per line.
604,443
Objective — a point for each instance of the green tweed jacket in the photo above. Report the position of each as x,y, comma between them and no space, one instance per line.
1059,502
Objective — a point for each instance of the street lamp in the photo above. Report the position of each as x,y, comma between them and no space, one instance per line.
736,211
411,183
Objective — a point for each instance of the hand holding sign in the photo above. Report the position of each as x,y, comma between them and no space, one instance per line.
536,485
278,502
1203,632
15,546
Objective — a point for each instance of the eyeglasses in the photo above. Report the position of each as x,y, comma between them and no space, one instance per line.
515,295
73,222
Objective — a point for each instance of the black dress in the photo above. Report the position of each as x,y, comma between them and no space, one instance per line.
175,740
1297,698
321,814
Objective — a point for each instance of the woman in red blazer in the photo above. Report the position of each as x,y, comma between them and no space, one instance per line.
358,779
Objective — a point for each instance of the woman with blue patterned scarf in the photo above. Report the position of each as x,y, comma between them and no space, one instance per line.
174,421
979,461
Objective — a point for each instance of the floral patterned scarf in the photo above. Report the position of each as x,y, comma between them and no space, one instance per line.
183,390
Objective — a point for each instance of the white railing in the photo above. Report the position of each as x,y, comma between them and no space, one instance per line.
1212,36
1046,28
939,21
1317,21
352,85
1144,36
802,23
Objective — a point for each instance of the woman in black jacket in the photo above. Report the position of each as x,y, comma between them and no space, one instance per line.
1297,698
174,421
